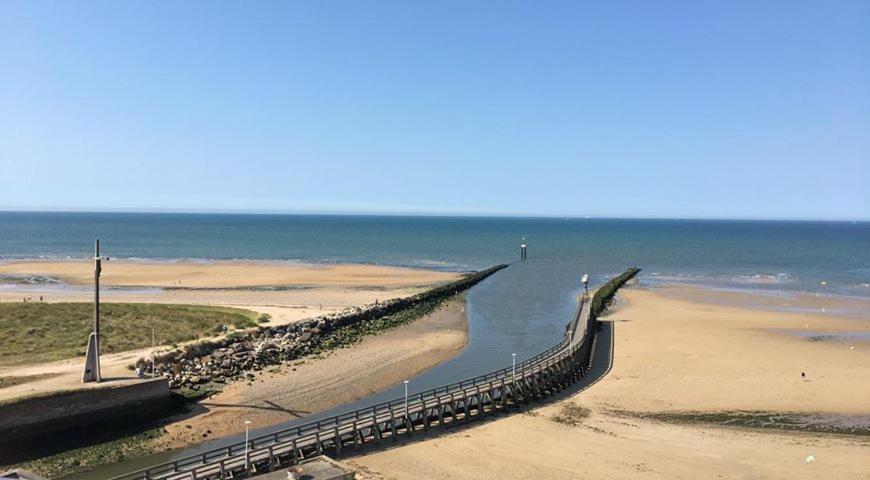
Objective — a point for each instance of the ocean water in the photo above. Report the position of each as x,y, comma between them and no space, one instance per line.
792,256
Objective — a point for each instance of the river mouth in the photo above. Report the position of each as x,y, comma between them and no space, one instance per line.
522,309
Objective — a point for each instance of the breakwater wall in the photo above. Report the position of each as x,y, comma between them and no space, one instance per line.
239,354
605,293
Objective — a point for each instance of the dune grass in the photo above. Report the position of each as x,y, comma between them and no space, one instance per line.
41,332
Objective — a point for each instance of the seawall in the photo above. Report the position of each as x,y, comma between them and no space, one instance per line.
38,416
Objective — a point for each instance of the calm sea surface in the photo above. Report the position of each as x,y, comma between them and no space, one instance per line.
794,256
522,309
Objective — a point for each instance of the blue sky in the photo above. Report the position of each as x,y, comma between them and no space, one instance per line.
628,109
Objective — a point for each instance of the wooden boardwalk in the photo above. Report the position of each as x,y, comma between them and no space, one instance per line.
504,390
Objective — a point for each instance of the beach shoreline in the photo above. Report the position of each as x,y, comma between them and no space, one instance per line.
684,365
223,274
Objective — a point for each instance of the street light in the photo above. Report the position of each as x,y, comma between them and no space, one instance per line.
514,367
247,435
406,398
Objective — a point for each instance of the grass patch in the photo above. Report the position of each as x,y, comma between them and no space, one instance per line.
804,422
85,458
571,415
43,332
352,334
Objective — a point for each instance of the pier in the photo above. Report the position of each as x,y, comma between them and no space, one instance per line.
503,391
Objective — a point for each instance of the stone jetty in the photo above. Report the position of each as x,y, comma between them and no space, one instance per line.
238,355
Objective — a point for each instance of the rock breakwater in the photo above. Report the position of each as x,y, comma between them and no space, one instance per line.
238,355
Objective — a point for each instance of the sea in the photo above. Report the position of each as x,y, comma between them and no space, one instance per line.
521,310
772,255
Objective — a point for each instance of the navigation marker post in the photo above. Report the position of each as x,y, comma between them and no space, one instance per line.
92,358
523,249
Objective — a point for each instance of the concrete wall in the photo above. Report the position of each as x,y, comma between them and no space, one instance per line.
39,415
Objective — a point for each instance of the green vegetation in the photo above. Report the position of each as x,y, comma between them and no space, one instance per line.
41,332
351,334
85,458
571,414
604,295
818,423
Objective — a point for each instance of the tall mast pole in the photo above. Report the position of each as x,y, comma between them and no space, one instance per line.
92,357
97,268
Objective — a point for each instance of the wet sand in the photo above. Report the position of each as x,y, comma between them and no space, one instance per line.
676,351
227,274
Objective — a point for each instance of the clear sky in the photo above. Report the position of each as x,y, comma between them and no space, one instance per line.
640,109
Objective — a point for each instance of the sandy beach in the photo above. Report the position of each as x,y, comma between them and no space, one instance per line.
312,385
287,291
227,274
677,350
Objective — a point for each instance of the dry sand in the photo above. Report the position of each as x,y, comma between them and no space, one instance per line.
673,355
342,376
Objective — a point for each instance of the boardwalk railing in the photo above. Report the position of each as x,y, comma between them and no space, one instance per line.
440,407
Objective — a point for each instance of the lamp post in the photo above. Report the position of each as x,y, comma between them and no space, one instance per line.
406,398
247,436
513,367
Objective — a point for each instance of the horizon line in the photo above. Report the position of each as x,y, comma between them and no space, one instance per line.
339,213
